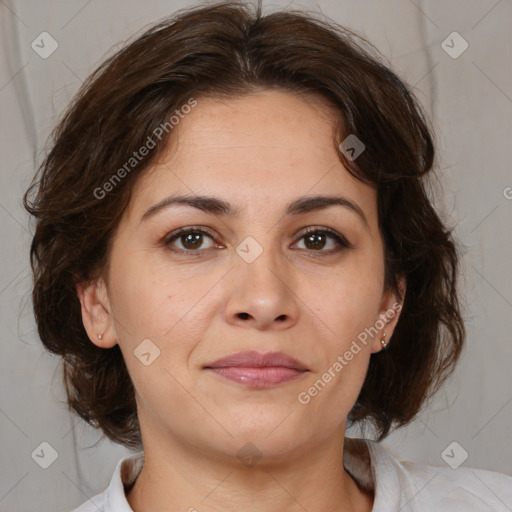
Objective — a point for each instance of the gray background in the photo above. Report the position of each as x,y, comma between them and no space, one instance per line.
470,101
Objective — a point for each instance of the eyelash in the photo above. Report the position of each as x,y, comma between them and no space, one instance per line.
341,241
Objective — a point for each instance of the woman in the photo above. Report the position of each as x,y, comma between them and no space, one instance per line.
236,257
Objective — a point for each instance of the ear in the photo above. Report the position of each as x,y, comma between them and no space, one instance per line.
96,313
388,316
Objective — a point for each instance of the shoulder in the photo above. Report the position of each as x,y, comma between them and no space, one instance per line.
95,504
425,487
446,487
113,498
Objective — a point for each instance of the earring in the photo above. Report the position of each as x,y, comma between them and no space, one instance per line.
100,336
383,340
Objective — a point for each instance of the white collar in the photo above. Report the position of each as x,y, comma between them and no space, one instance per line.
404,486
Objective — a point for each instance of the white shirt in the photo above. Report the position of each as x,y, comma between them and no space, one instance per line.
398,486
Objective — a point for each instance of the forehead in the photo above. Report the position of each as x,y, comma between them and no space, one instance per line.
260,150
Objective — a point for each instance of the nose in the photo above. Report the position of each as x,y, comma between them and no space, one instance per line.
262,294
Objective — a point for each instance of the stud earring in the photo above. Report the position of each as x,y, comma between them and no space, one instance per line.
383,340
100,336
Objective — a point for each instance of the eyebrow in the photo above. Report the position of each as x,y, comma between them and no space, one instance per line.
216,206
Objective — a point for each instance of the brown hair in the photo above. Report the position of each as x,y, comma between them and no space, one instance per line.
229,50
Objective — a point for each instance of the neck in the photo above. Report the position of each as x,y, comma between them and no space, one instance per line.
175,477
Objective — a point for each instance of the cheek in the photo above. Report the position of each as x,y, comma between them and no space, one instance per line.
349,300
140,293
152,299
343,312
138,304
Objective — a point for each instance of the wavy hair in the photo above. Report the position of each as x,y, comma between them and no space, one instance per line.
226,50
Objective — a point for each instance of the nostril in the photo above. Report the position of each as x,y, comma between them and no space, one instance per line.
243,316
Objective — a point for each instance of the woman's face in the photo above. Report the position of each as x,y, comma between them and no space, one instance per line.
253,280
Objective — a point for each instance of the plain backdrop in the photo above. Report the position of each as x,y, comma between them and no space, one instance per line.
469,99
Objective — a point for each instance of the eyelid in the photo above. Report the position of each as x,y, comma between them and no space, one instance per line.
183,231
340,239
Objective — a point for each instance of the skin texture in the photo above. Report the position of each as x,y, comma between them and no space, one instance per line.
258,152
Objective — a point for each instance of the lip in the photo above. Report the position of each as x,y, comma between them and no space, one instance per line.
254,359
254,369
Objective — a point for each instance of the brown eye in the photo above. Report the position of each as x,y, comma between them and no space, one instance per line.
317,239
191,239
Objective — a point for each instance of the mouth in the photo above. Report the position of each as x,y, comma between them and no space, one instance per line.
258,370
